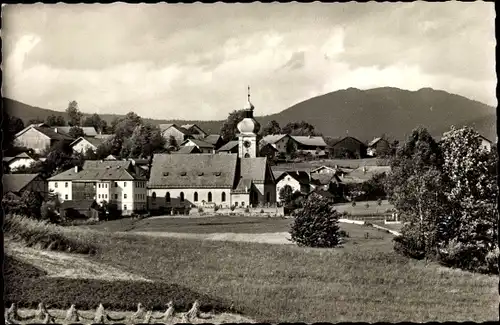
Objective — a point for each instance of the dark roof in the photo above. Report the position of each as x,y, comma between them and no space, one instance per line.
252,170
228,146
79,205
310,140
99,170
92,140
322,193
199,143
87,130
164,127
324,179
300,176
16,182
186,150
52,134
344,138
273,138
193,171
98,164
268,146
212,139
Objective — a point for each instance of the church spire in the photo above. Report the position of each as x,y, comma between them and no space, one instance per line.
249,106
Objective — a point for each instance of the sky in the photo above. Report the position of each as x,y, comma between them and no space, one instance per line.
195,61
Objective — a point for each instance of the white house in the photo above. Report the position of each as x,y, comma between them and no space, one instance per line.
82,144
19,161
203,146
297,180
485,143
116,182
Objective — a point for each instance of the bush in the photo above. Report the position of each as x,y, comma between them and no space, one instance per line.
247,210
469,257
410,243
200,209
233,207
316,224
49,236
216,208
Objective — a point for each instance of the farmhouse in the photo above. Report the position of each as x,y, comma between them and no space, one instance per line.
181,181
203,147
39,137
314,145
230,147
297,180
269,151
82,144
17,184
187,150
326,182
376,146
195,131
324,170
348,147
278,141
116,182
19,161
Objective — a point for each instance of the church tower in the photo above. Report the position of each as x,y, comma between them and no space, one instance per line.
248,128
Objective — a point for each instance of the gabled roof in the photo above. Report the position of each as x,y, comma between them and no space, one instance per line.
324,179
198,143
228,146
89,131
15,183
47,131
164,127
269,146
92,140
374,141
79,205
98,164
310,140
104,136
323,167
300,176
22,155
190,128
113,173
111,157
344,138
252,171
193,171
29,127
212,139
273,138
186,150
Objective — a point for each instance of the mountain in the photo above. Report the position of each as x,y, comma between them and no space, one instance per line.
364,114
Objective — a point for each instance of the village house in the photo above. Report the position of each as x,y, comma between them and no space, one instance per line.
117,182
16,184
299,181
376,146
195,131
314,145
486,143
22,160
327,182
324,170
215,140
203,146
278,141
82,144
40,137
181,181
230,147
187,150
348,147
269,151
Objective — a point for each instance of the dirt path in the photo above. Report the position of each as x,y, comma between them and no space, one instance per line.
65,265
205,317
278,238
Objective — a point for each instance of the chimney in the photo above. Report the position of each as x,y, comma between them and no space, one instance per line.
76,169
55,130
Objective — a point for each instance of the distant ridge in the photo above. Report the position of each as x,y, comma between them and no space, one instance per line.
360,113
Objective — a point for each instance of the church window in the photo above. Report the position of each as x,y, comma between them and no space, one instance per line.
196,196
209,196
223,198
242,203
153,197
167,197
182,196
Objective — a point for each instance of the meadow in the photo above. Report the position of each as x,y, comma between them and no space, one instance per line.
364,280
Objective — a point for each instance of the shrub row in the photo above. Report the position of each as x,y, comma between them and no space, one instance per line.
45,235
25,287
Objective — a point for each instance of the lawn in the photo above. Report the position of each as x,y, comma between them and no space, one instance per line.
362,281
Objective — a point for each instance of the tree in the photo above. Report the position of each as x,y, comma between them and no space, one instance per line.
144,142
90,154
123,129
316,223
55,120
10,126
299,129
50,207
470,232
76,132
285,194
103,150
229,128
74,114
172,143
291,148
272,127
59,157
95,121
35,120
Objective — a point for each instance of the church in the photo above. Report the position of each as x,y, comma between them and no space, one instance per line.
183,181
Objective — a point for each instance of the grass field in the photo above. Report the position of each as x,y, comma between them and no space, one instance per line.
361,209
362,281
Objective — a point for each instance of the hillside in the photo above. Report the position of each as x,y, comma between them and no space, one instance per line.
362,113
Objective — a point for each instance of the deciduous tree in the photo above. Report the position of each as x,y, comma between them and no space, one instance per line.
229,128
74,114
76,132
272,127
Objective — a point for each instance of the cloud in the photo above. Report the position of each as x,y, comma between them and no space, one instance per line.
174,61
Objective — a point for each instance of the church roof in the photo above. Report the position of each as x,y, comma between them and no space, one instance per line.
193,171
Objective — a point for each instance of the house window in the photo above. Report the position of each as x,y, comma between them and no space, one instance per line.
66,196
106,196
66,184
55,184
209,196
124,184
167,197
182,196
125,207
125,196
99,196
99,185
223,197
116,184
153,197
196,196
116,196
